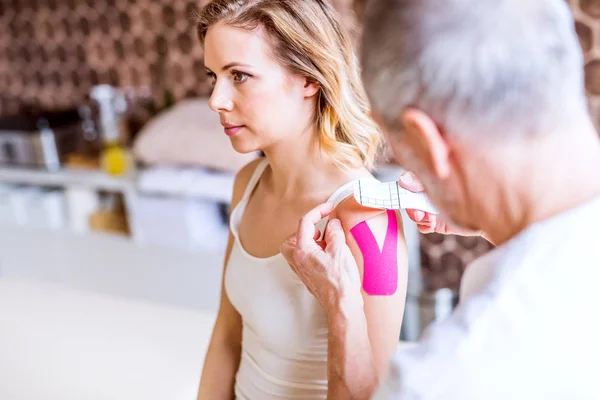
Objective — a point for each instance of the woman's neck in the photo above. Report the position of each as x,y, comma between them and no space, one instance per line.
298,167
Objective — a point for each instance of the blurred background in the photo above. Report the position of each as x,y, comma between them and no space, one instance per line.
115,178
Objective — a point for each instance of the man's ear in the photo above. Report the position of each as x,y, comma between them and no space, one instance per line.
311,87
427,142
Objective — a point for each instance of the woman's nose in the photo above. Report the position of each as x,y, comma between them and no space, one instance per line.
220,100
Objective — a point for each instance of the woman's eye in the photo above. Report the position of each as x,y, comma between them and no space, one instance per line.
239,76
212,78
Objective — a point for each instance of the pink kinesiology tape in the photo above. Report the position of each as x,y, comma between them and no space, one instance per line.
380,267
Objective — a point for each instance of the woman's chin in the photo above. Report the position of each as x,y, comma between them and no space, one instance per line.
243,147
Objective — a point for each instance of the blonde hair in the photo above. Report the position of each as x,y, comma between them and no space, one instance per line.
308,39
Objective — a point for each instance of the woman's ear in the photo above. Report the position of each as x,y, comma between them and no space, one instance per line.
311,87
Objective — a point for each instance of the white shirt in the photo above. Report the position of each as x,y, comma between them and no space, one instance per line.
528,326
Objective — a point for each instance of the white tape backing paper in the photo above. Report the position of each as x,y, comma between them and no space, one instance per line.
391,196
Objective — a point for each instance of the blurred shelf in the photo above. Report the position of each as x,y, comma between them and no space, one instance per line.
187,183
111,264
168,182
91,179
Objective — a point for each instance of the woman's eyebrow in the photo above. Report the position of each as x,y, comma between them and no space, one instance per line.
234,64
228,66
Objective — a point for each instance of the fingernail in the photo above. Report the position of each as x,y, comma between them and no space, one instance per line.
407,178
335,224
419,215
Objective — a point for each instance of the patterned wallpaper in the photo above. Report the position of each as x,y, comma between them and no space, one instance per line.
53,51
587,25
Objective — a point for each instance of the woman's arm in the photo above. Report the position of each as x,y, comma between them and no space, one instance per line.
223,354
384,287
383,301
330,271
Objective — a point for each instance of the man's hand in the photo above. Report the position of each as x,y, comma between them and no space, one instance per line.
330,273
427,222
328,269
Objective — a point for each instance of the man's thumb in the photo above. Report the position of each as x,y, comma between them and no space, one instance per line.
287,248
334,235
409,181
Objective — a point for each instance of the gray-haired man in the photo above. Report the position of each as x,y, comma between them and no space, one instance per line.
484,101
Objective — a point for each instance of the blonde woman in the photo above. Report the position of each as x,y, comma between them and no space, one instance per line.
286,82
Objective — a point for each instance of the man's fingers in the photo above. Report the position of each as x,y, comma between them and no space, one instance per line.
425,228
426,222
415,215
334,235
306,228
317,235
409,181
287,248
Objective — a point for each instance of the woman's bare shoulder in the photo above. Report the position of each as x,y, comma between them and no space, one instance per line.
351,213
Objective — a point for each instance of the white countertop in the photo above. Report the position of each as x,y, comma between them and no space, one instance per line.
64,344
98,317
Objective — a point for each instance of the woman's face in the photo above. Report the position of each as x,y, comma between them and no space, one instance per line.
260,102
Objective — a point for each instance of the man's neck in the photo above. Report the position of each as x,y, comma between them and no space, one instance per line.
556,175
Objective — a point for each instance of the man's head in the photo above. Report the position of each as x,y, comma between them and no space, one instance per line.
455,82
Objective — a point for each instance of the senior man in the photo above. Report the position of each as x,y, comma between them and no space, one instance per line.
484,101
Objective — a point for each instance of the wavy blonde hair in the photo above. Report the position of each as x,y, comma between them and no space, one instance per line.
309,39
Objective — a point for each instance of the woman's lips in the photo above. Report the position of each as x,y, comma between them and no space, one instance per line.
232,130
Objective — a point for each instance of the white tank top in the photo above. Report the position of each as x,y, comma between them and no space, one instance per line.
284,334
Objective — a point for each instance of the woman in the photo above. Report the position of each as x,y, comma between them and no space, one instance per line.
286,82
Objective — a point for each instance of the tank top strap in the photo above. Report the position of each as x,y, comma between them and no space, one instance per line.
258,171
238,211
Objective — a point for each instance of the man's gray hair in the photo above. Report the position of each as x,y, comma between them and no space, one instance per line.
483,66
